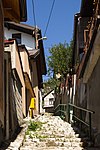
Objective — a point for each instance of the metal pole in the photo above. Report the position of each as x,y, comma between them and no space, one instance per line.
90,125
69,113
81,119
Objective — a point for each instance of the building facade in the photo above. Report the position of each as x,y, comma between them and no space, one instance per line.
17,12
32,56
48,102
86,60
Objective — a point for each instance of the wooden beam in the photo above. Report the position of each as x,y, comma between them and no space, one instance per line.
11,10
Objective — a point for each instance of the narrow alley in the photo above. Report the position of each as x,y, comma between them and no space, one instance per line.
49,90
51,133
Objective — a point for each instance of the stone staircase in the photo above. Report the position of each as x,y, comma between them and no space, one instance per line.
55,134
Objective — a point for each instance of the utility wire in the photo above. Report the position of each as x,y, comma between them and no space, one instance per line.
49,17
34,13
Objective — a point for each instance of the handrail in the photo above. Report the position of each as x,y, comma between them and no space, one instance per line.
81,121
87,110
60,105
64,109
80,118
61,110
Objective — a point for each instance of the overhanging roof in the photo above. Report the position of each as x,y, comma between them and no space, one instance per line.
15,10
86,8
33,53
47,93
20,27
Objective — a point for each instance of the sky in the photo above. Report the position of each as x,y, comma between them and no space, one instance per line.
60,27
61,23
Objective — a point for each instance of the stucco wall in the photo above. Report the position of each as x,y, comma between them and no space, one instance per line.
16,64
26,39
25,62
35,86
46,99
93,99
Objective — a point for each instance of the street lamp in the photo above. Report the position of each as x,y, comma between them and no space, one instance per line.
43,38
37,41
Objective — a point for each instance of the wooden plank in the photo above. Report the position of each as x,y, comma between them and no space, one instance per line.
12,10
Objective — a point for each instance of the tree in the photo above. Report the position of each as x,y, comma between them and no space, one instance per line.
60,59
59,62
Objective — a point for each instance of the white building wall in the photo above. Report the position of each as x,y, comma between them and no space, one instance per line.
26,39
46,99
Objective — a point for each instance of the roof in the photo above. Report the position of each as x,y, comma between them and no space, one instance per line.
23,10
86,8
34,53
9,41
15,10
48,93
30,30
20,27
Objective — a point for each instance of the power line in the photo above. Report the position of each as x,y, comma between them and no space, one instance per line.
34,13
49,17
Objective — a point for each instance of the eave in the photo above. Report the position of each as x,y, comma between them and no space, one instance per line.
47,93
33,54
15,10
20,27
86,8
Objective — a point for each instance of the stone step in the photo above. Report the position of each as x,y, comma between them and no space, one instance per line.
51,148
55,134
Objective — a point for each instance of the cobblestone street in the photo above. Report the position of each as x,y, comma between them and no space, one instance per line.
54,134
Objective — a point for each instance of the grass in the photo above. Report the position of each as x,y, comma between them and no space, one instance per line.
33,126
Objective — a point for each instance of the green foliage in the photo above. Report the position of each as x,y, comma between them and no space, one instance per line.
33,130
62,117
59,62
33,126
50,84
60,59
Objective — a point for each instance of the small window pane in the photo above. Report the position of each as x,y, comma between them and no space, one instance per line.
51,101
17,36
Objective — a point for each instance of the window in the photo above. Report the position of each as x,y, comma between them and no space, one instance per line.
51,101
17,36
